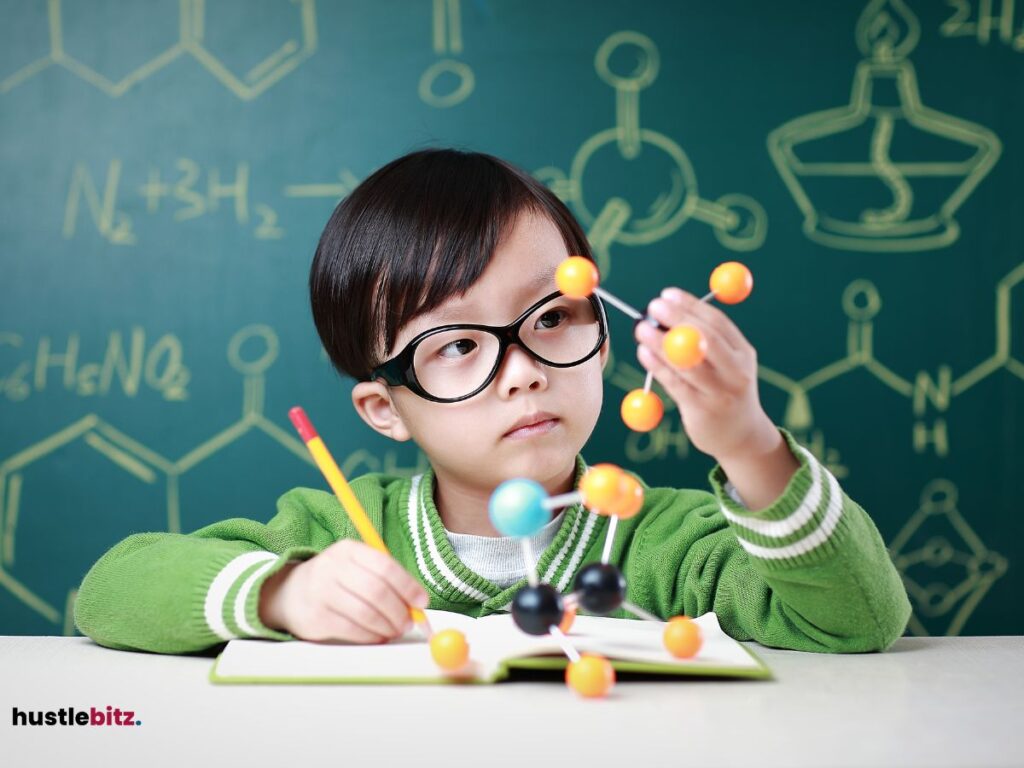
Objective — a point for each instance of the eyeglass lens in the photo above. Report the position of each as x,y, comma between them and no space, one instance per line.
453,363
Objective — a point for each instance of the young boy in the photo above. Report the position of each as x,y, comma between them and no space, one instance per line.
433,287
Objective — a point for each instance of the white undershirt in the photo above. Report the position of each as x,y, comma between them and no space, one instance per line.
500,558
734,494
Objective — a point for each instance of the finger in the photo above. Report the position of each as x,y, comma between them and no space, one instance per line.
408,590
337,626
389,587
358,604
683,392
388,612
720,353
712,314
704,376
701,378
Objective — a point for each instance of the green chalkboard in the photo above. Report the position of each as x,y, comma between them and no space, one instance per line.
166,169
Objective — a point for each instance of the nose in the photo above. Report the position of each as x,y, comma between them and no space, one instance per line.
519,371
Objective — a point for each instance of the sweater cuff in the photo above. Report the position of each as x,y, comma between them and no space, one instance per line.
232,602
801,526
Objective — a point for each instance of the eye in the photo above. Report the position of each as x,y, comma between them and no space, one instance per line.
552,318
456,349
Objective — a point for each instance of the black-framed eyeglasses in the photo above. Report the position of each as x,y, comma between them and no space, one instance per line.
456,362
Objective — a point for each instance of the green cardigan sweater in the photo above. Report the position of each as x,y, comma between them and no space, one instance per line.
810,572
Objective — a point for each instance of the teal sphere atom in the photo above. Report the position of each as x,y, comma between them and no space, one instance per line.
517,508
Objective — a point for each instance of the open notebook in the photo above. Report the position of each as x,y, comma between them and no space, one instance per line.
496,646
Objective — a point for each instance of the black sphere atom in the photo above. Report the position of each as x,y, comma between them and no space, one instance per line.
535,609
601,588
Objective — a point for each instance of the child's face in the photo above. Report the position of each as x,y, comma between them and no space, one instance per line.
467,441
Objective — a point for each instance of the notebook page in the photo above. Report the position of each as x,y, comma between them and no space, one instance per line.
642,641
407,656
498,638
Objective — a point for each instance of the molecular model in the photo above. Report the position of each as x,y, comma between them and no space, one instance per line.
521,507
684,346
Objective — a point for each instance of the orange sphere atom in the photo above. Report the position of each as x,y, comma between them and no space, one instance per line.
731,282
642,411
592,676
577,277
602,487
631,500
682,637
684,346
449,649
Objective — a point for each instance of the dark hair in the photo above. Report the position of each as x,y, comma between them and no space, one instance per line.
416,232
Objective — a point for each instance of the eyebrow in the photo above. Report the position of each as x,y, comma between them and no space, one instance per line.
543,279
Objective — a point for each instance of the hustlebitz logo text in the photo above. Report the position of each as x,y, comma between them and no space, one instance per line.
114,716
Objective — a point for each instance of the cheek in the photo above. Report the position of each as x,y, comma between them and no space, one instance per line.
584,386
441,429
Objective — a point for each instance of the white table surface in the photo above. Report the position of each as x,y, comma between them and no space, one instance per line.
926,702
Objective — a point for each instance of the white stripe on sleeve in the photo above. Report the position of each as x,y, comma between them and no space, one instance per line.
213,606
816,537
777,529
243,594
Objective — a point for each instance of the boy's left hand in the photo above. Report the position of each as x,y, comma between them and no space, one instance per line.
718,399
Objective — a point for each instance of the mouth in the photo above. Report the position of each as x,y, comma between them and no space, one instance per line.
541,426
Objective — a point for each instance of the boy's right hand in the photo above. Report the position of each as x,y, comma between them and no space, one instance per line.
350,591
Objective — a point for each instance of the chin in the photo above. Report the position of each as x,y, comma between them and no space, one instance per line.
538,462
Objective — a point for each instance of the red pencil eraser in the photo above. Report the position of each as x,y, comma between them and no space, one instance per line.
302,423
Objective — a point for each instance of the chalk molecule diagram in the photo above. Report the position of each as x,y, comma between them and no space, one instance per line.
816,158
628,150
298,44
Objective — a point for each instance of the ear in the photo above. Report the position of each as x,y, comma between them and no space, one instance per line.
373,403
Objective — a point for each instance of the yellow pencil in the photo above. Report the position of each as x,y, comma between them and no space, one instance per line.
348,499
